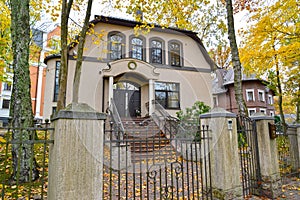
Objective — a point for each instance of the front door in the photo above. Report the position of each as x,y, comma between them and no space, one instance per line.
127,97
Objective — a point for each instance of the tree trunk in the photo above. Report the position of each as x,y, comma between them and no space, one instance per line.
280,101
235,60
298,105
63,73
24,165
76,81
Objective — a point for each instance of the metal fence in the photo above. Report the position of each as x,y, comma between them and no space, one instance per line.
149,164
287,146
249,156
39,140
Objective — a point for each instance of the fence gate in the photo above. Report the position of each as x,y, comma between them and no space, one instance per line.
249,156
145,162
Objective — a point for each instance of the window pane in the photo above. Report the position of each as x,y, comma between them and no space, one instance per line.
56,81
173,86
137,48
167,94
5,103
115,46
161,97
156,52
174,54
250,96
160,86
173,100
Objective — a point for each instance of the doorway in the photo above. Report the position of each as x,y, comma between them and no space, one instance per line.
127,97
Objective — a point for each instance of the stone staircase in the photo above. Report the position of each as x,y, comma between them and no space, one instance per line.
147,142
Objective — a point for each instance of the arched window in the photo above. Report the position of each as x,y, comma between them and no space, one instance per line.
175,54
116,45
156,52
137,48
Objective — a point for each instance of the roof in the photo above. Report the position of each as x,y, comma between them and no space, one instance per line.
225,77
132,24
229,77
53,56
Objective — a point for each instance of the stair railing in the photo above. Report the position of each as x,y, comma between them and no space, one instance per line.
168,124
117,122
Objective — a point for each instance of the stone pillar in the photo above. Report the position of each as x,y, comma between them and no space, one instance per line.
293,132
151,96
76,157
225,165
268,157
110,89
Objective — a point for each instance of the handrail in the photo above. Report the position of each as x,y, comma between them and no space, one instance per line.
165,121
172,125
116,118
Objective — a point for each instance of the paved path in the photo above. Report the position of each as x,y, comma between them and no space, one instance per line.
290,190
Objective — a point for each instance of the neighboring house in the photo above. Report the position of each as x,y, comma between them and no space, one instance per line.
37,76
5,94
258,97
168,65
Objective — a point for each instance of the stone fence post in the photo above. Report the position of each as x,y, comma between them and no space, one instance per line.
293,132
268,157
76,157
225,165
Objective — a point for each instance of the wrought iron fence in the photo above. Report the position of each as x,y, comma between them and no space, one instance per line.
39,140
148,164
287,151
249,156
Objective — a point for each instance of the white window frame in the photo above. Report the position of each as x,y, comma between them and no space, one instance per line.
263,110
247,96
251,109
270,99
263,95
272,113
217,101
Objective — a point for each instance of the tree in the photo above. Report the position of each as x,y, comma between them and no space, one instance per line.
183,14
235,60
21,108
271,48
221,55
82,36
63,72
65,13
5,40
193,113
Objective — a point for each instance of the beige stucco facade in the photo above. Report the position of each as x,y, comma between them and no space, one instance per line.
98,71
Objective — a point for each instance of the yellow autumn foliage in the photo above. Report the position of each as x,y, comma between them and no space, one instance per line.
272,43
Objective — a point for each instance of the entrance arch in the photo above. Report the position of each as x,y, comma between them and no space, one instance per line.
138,73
